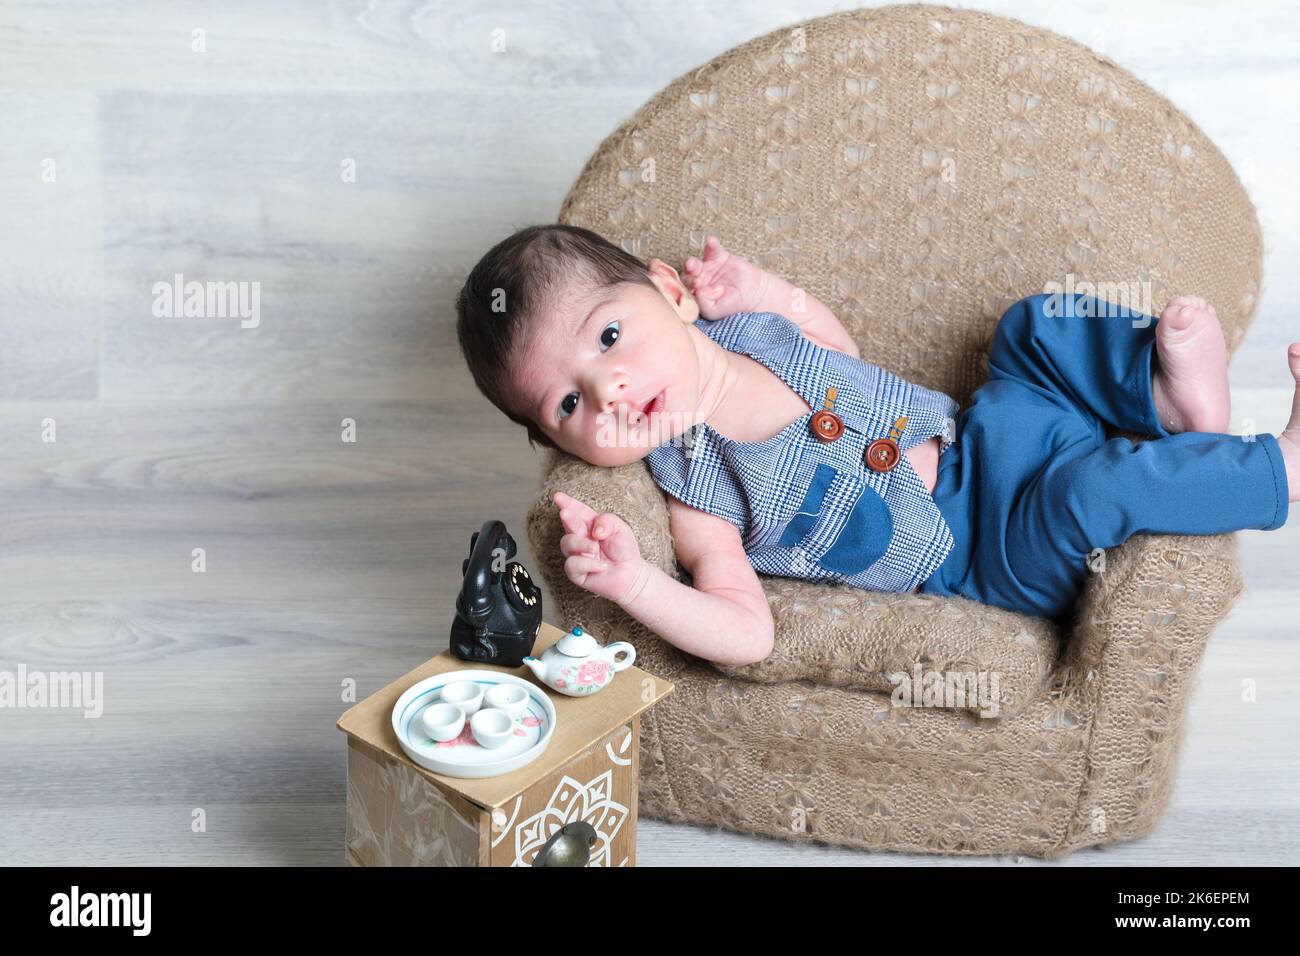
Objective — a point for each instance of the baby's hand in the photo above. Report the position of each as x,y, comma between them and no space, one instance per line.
601,554
722,283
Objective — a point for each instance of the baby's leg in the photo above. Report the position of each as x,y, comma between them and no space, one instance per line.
1192,483
1083,352
1109,363
1153,376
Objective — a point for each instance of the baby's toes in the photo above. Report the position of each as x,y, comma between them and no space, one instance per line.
1183,312
1176,305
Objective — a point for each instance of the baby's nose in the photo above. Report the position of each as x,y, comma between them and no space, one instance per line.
615,392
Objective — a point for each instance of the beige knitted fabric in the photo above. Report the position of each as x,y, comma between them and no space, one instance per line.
919,169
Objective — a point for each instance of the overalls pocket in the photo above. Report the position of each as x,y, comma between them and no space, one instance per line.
863,538
860,540
805,518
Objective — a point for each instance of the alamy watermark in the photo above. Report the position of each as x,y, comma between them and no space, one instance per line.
128,910
179,299
1087,299
74,690
947,689
622,429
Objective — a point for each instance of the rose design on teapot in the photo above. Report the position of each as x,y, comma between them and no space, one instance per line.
578,665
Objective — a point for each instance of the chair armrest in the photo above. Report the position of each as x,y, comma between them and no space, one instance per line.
1171,588
848,637
629,492
1143,621
1139,632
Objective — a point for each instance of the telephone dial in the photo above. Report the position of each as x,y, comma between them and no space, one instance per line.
499,608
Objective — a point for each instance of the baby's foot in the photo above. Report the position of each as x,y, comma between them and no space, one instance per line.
1189,378
1289,440
722,282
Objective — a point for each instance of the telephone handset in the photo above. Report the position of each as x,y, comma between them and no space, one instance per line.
499,608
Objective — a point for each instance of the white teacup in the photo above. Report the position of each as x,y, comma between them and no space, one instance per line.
508,697
443,721
492,727
465,694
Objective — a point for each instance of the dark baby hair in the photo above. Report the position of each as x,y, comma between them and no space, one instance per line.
514,280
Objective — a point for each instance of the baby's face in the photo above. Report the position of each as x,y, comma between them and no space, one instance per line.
596,361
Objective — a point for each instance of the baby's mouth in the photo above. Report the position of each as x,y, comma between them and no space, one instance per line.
655,404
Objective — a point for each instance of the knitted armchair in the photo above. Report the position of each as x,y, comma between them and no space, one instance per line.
919,169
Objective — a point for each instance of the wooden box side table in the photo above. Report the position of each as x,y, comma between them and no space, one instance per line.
399,814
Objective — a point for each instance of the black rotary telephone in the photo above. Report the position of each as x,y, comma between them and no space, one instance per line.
499,608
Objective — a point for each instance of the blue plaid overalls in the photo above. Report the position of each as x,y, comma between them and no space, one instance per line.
807,507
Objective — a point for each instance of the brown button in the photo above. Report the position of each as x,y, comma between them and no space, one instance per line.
882,454
827,425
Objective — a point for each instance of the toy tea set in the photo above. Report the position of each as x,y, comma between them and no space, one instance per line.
479,722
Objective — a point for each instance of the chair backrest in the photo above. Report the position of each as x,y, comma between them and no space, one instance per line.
918,169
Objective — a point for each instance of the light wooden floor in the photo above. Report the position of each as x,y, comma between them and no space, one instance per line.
326,560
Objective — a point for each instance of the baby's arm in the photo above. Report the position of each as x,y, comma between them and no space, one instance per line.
723,283
724,618
805,310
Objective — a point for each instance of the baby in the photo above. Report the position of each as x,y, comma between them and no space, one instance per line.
782,452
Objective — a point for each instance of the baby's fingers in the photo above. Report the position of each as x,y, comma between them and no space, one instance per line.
578,544
575,515
578,566
615,537
570,522
606,525
700,277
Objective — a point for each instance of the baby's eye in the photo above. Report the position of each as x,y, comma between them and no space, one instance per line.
608,336
605,340
567,407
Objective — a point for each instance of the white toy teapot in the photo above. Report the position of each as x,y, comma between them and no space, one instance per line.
577,665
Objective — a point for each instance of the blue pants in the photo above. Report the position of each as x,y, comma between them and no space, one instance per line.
1031,487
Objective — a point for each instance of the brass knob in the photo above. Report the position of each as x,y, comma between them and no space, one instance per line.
568,846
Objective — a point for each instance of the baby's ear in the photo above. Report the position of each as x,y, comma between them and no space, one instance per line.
674,290
657,267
